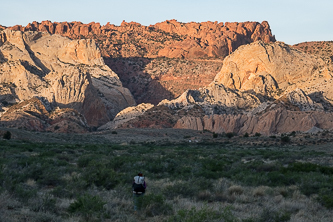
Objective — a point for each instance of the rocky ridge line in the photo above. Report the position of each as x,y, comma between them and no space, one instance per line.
171,39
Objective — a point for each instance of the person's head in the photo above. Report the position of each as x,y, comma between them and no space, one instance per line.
140,174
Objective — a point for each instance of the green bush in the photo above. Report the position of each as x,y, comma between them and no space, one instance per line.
285,139
273,216
87,206
24,192
180,189
7,135
194,215
246,135
215,135
154,204
257,134
101,176
325,197
230,134
293,133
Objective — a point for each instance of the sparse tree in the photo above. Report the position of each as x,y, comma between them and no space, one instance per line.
7,135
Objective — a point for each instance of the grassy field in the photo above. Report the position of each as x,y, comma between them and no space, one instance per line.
233,179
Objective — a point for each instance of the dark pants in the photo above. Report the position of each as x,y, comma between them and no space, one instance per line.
136,200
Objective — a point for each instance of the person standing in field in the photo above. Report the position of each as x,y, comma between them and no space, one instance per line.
139,189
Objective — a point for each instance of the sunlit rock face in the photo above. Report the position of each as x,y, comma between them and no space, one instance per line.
67,73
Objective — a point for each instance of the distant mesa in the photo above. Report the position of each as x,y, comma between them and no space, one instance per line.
169,39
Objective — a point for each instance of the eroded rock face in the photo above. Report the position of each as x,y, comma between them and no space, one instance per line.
68,73
177,56
215,99
34,114
170,38
152,80
271,122
266,68
126,115
264,88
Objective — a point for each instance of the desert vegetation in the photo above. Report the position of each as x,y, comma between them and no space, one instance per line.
208,180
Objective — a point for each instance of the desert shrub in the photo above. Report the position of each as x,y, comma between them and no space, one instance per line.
87,206
7,135
84,160
194,215
203,214
285,139
246,135
154,204
257,134
293,133
114,132
273,216
309,167
180,189
260,191
101,176
235,189
45,172
230,134
204,196
325,197
44,203
24,192
215,135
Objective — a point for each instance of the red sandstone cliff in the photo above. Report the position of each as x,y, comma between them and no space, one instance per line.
170,39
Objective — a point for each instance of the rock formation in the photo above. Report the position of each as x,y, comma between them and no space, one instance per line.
170,38
264,88
35,114
278,120
152,80
161,61
323,49
265,68
67,73
126,115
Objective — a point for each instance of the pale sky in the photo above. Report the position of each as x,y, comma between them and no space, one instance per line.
291,21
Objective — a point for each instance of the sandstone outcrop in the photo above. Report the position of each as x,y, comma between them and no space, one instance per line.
215,99
264,88
36,114
265,68
274,121
176,56
126,115
170,38
270,69
68,73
